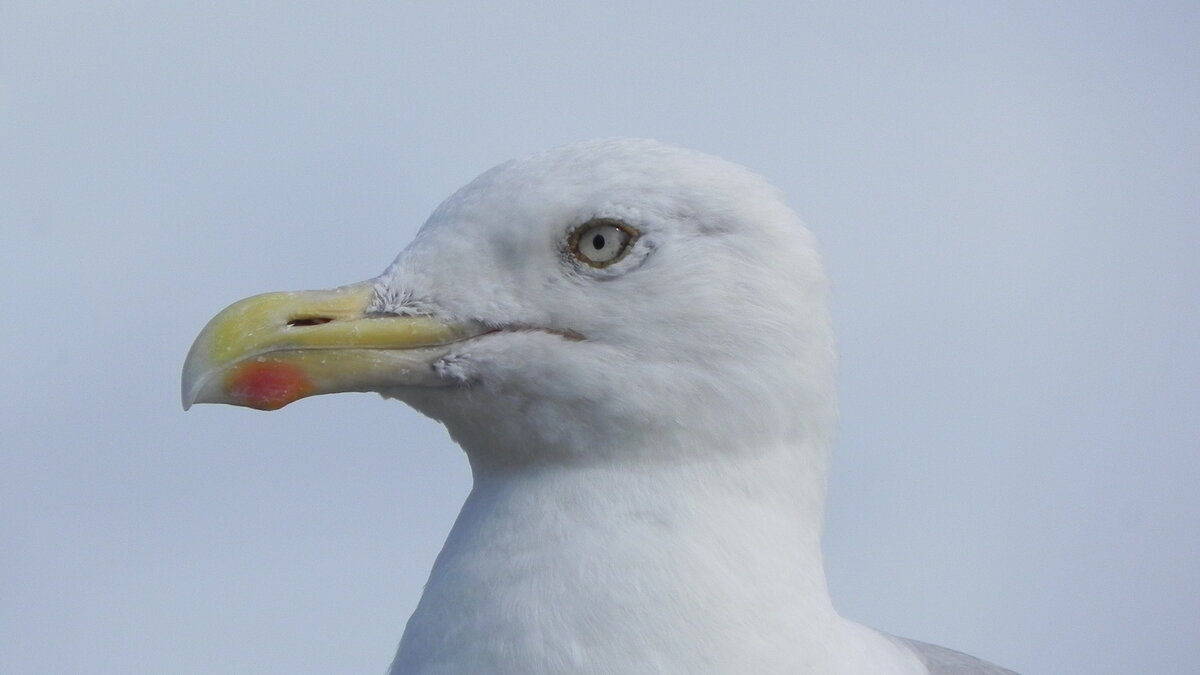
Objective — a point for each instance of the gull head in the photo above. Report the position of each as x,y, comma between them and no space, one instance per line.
591,301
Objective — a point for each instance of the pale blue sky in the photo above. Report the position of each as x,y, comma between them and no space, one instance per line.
1009,199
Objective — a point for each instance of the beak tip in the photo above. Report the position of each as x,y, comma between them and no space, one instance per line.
187,397
192,384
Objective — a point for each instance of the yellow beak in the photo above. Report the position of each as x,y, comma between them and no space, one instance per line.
269,350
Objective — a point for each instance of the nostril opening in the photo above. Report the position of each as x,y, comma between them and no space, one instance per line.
309,321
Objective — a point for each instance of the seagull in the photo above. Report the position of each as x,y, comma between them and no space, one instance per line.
631,342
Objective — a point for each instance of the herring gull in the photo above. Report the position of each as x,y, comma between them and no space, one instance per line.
632,345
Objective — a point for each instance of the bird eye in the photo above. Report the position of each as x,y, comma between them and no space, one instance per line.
601,242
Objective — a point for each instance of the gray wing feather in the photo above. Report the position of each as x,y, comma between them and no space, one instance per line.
942,661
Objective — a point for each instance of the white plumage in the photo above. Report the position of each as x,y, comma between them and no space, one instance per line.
648,437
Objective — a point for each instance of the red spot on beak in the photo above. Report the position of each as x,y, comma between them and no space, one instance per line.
268,385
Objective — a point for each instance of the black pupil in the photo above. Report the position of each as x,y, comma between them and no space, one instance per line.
598,242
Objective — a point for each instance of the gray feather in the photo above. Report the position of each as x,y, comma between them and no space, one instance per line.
942,661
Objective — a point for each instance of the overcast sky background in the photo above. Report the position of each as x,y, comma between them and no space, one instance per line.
1008,195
